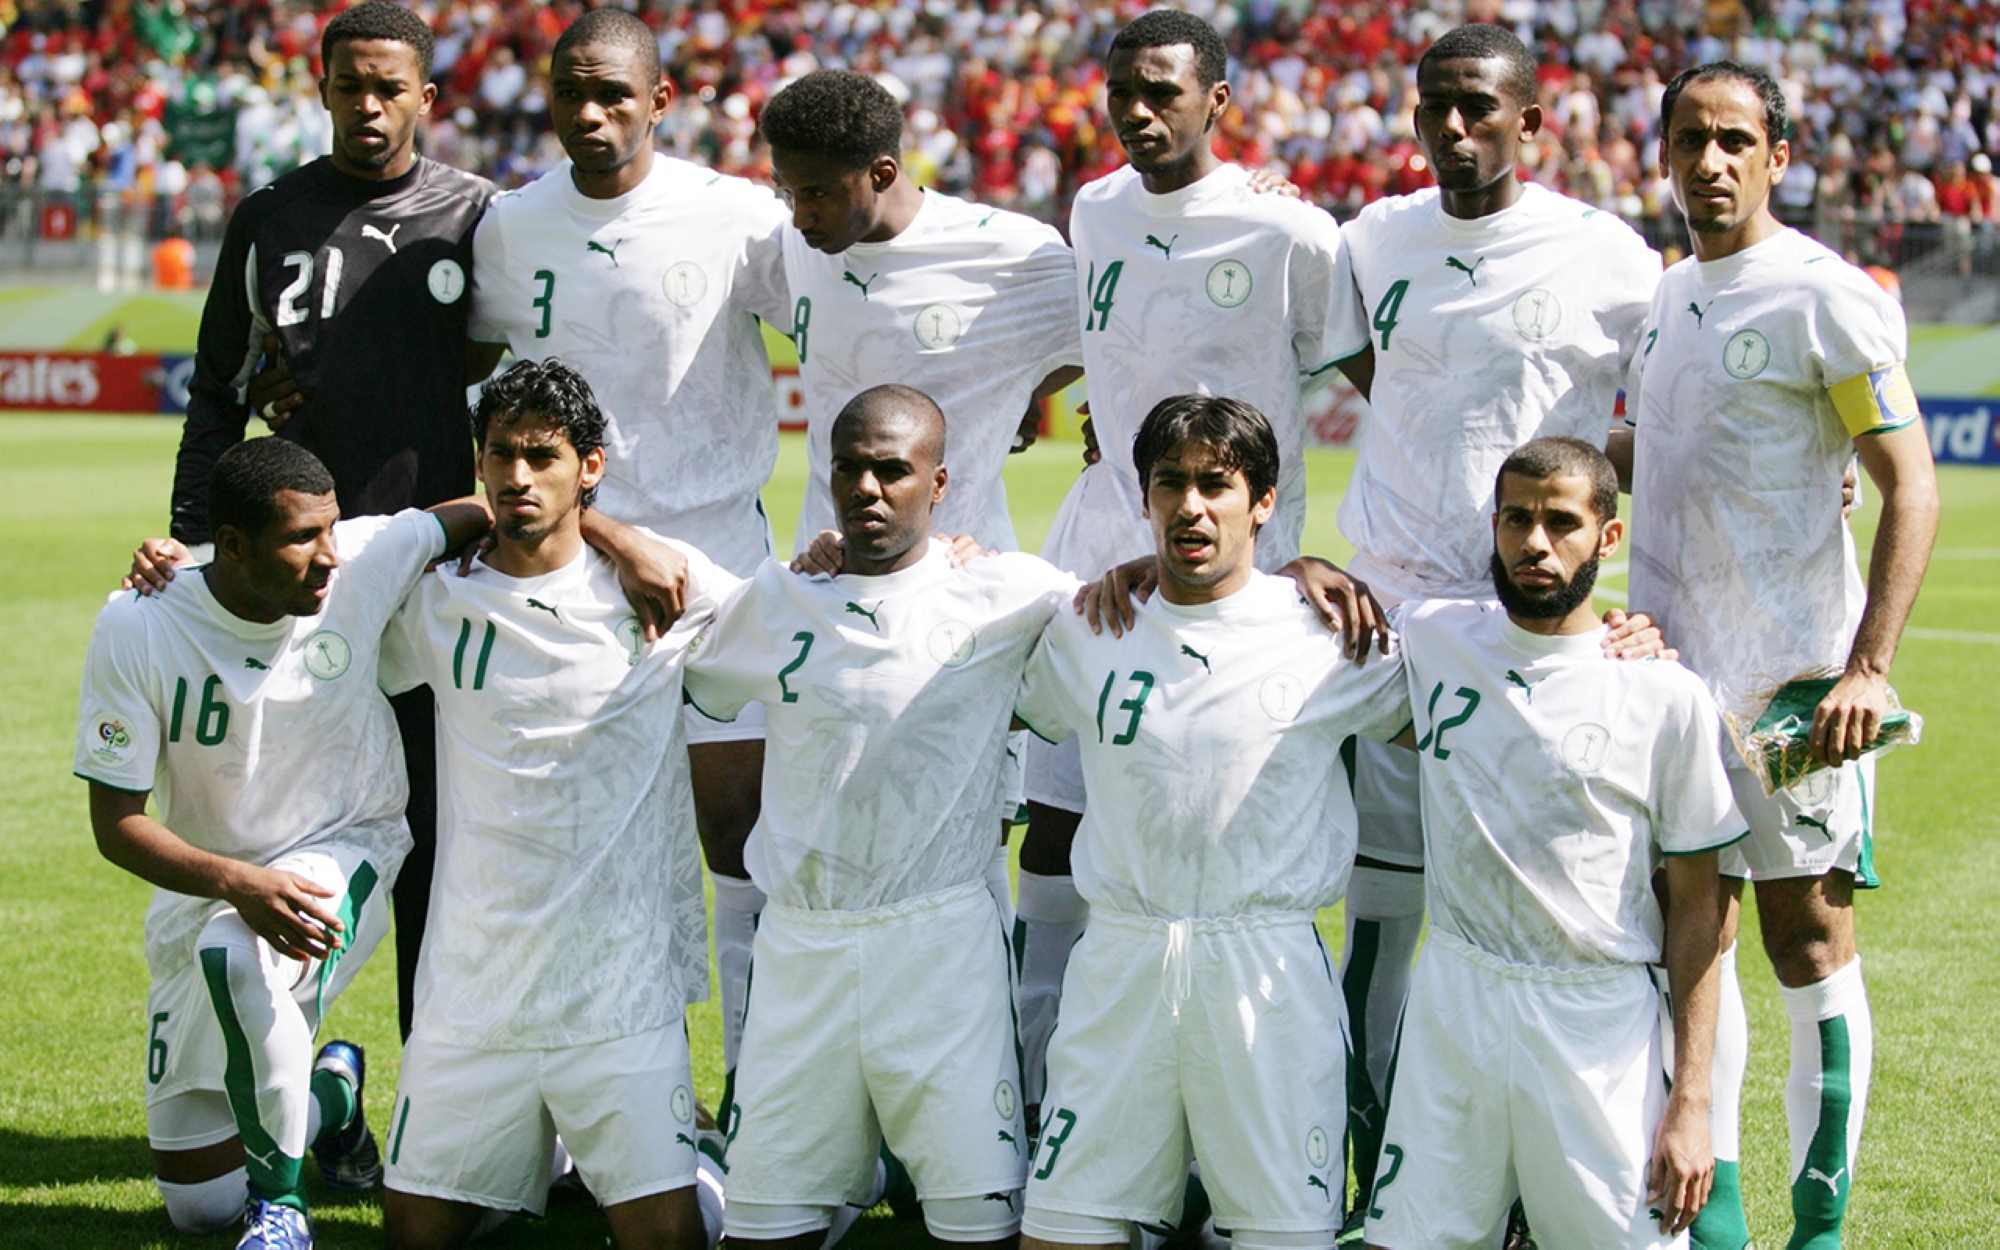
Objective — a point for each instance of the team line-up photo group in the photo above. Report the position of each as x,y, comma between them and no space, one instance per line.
513,686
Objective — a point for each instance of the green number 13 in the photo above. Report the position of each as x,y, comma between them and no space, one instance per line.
1135,704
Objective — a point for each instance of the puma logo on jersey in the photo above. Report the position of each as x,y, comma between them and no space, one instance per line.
1167,248
858,610
386,240
683,1137
259,665
1515,678
1471,271
848,277
1315,1182
1699,311
988,217
1006,1200
1009,1138
592,245
1190,651
264,1159
1815,824
537,603
1832,1183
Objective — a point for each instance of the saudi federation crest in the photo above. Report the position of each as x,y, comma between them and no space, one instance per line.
682,1104
1319,1150
1282,696
1586,747
1005,1101
327,655
937,326
1228,283
1537,313
951,643
1746,355
447,281
633,639
1814,790
684,285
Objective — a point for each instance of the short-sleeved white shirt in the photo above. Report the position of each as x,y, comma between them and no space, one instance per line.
1488,333
654,297
886,705
1212,289
566,906
256,739
1739,549
1553,781
1211,738
971,305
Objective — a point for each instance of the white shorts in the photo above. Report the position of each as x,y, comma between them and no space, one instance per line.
1823,823
184,1048
893,1023
479,1126
1387,805
1514,1082
1217,1038
701,727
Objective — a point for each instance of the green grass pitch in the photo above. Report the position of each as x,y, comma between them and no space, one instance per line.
76,494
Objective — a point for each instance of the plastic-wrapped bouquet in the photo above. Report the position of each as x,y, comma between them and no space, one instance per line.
1774,737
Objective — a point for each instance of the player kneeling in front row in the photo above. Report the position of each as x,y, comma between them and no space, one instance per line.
881,1005
567,932
1555,780
1199,1013
247,701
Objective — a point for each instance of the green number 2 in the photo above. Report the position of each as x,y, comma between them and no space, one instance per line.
802,317
1052,1142
1135,705
805,640
1103,291
548,280
1395,1154
1434,740
1392,303
156,1051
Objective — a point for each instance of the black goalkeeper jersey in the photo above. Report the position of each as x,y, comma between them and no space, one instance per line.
369,284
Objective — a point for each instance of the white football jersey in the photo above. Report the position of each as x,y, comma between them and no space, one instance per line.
971,305
886,705
1760,371
654,298
1487,333
256,739
1553,780
1212,289
1211,738
566,907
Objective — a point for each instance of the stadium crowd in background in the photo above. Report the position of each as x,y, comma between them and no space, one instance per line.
183,105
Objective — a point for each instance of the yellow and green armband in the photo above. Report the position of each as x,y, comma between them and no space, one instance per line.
1875,402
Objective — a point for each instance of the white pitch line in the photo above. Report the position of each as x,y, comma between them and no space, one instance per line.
1952,635
1966,553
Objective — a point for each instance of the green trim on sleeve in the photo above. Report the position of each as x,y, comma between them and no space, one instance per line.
98,781
1718,846
696,705
1886,429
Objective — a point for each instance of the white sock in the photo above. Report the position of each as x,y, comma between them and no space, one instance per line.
1393,903
1051,918
1002,889
1833,1053
250,987
1731,1060
205,1207
738,903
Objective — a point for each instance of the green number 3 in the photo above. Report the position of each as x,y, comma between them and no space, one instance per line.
1052,1142
543,301
805,640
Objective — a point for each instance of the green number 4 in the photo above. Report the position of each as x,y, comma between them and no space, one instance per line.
1052,1142
1392,303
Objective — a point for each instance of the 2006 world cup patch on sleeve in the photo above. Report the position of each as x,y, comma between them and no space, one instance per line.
1878,400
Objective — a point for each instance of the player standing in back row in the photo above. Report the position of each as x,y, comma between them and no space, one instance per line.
350,276
1769,363
1500,312
648,275
1190,283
